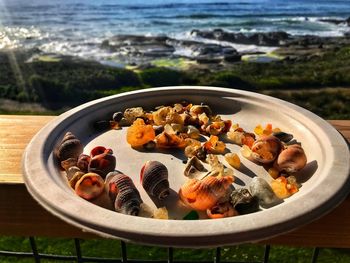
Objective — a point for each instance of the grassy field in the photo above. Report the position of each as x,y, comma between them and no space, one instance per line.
111,249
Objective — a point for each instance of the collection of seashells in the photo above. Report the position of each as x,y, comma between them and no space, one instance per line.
183,126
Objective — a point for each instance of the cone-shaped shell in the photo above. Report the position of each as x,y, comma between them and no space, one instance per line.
123,193
266,149
102,163
154,179
291,159
69,147
204,194
89,186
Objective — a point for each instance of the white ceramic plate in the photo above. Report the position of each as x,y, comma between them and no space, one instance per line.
325,180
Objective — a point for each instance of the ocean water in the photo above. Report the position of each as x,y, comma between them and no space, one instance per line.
78,27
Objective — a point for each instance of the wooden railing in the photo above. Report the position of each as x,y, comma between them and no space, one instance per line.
20,215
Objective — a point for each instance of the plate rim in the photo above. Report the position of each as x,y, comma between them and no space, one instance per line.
251,231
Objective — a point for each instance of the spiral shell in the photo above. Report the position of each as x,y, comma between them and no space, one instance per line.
199,109
102,161
266,149
89,186
154,179
123,193
165,140
193,167
69,147
291,159
221,210
204,194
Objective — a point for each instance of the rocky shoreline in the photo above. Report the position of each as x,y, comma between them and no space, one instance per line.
217,46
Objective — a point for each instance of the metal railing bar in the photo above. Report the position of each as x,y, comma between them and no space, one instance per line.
315,255
266,254
78,250
16,254
30,255
34,249
124,254
170,255
217,258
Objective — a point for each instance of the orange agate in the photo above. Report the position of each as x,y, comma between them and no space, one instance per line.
139,133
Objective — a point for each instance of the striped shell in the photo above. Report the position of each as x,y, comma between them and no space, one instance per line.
102,161
69,147
204,194
154,179
123,193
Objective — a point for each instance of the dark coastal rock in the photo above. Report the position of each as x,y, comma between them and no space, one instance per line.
336,21
213,53
259,39
277,39
332,21
153,47
135,45
348,21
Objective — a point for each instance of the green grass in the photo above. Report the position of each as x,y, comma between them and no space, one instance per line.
111,249
69,82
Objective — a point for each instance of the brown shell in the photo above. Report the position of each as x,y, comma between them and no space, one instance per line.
165,140
123,193
266,149
199,109
69,147
154,179
221,210
291,159
68,163
204,194
83,162
71,172
102,163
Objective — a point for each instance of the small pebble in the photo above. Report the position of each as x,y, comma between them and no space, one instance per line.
102,125
149,146
158,129
117,116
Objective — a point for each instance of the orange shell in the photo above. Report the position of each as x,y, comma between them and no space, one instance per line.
166,140
221,210
89,186
204,194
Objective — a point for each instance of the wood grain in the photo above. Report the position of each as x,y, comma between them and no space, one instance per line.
21,215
